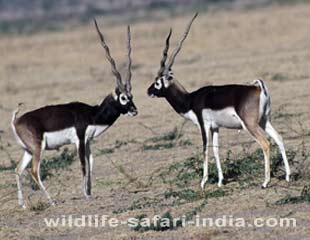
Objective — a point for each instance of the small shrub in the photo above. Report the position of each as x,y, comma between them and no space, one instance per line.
12,166
166,141
144,202
193,212
169,136
304,197
40,206
158,146
117,145
279,77
187,195
215,194
186,142
162,223
105,151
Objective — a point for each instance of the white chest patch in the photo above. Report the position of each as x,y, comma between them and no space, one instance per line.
191,116
93,131
227,118
54,140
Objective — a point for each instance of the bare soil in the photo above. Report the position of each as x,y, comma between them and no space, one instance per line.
223,47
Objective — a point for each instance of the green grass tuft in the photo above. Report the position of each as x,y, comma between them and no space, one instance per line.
118,144
181,180
162,223
158,146
166,141
303,197
40,206
169,136
12,166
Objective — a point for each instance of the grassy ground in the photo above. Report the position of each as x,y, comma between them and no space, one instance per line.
150,164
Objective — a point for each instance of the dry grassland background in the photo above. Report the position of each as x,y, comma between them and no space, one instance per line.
223,47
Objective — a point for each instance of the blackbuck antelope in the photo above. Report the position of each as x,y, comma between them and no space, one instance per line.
51,127
231,106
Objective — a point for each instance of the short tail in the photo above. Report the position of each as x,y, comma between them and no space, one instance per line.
13,125
14,114
264,105
262,86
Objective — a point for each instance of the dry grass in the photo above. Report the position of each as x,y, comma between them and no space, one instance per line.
223,47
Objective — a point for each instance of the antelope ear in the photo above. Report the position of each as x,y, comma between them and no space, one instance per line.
114,94
170,77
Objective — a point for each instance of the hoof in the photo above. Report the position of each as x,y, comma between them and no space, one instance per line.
220,182
202,184
88,197
22,204
287,178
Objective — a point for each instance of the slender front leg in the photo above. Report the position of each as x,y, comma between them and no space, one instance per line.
90,161
214,136
81,150
205,139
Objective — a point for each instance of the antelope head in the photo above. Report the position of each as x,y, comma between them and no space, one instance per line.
165,78
122,93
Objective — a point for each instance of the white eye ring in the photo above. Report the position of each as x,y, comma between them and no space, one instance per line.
123,99
158,84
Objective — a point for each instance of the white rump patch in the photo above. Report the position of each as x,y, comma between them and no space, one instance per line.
226,117
93,131
19,141
54,140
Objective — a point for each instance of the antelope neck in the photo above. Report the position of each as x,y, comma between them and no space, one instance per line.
108,112
178,98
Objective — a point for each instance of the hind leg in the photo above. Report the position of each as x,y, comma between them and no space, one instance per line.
19,171
31,135
257,132
279,141
250,123
35,172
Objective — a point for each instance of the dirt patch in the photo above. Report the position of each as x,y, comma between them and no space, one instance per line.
223,47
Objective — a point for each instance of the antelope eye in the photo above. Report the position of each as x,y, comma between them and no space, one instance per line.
123,98
158,84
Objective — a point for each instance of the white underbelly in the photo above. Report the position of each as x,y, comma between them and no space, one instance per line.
54,140
226,117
